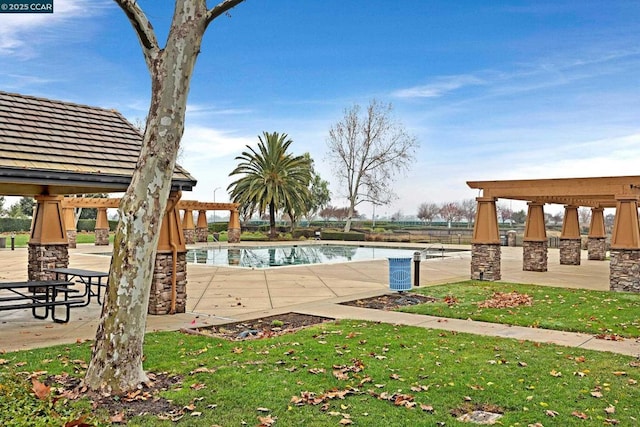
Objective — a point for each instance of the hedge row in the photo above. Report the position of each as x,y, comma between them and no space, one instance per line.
341,235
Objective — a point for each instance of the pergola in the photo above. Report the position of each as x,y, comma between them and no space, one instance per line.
621,193
191,233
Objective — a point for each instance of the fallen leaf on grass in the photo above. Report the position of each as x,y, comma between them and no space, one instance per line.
550,413
610,409
580,415
596,394
267,421
346,421
118,418
41,390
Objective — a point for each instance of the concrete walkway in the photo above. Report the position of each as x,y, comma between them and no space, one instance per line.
218,295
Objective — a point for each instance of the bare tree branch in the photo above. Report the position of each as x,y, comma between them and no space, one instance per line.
221,8
142,27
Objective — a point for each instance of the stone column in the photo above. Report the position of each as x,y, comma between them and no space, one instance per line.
597,240
534,245
102,228
570,241
202,229
188,227
70,226
485,244
48,245
169,285
234,231
624,268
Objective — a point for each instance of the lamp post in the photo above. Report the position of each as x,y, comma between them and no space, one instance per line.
214,211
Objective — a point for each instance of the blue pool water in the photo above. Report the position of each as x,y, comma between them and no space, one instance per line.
278,256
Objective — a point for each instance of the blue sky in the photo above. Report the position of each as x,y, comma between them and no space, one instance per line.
491,89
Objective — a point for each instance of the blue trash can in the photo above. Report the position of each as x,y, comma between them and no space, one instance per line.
400,274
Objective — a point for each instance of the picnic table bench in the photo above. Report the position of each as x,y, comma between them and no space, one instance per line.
86,278
40,294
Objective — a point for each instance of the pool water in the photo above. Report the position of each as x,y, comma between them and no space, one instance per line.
278,256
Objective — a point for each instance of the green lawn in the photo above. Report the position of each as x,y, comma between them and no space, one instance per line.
577,310
368,374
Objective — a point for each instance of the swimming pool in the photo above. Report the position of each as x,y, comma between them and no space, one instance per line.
279,256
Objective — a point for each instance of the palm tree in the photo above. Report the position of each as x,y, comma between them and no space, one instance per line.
271,177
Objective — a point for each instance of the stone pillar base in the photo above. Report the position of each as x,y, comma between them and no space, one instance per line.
233,235
511,238
597,248
43,257
201,234
189,235
485,261
534,255
570,251
624,270
160,296
102,236
72,238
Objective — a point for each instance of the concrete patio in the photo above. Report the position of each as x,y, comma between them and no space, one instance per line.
218,295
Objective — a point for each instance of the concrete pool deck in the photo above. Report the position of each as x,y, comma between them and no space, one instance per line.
218,295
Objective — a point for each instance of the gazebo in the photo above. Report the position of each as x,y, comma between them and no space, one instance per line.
621,193
51,148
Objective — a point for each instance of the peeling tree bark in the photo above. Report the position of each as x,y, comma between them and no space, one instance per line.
116,361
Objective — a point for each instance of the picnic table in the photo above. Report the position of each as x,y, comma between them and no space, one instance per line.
39,294
88,278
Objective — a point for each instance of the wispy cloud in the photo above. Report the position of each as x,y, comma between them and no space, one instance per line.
18,31
199,109
204,143
439,87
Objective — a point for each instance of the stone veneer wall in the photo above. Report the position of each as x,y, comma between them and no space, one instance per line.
597,248
234,235
71,237
102,236
160,297
201,234
570,251
485,259
624,270
534,256
189,235
43,257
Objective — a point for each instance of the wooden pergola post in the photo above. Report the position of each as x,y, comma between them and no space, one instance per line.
70,226
624,274
234,226
48,245
597,240
202,228
188,227
570,240
485,245
169,286
102,227
534,245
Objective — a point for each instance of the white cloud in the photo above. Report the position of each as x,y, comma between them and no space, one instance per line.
203,143
18,30
439,87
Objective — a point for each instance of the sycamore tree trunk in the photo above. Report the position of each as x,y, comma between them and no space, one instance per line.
116,361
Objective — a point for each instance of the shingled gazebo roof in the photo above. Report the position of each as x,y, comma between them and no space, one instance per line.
55,147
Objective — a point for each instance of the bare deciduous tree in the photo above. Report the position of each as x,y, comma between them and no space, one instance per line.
116,361
428,211
450,212
367,151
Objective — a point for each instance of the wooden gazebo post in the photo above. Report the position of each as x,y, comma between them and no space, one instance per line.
102,227
188,227
48,245
202,228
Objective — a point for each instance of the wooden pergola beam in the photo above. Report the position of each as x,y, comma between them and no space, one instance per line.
594,192
94,202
